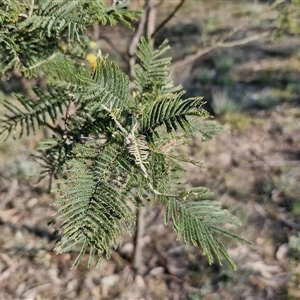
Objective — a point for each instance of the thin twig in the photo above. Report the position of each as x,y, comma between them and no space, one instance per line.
190,58
8,272
244,41
234,31
56,129
220,44
113,46
151,20
136,38
158,4
11,193
67,115
137,242
23,15
43,61
31,8
113,116
140,213
172,14
26,85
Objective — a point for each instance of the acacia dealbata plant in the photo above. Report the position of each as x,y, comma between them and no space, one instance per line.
113,147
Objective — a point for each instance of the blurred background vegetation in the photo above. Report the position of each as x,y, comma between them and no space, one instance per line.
244,58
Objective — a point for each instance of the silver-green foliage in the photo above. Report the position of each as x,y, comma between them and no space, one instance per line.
116,148
31,35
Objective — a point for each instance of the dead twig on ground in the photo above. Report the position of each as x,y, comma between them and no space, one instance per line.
11,193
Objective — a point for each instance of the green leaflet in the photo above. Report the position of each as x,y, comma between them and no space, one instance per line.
171,111
73,17
108,86
151,75
33,114
91,209
28,42
190,217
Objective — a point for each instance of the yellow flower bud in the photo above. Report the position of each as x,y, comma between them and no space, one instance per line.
13,20
92,59
93,45
63,47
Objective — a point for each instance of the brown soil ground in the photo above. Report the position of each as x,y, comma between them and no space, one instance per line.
252,166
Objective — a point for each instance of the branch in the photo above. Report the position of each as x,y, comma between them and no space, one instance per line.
29,12
23,15
151,20
67,115
172,14
25,83
43,61
31,8
243,41
136,38
113,116
158,4
57,129
137,259
190,58
113,46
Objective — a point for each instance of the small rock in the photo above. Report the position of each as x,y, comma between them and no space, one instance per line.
32,202
157,271
126,249
110,280
282,253
140,282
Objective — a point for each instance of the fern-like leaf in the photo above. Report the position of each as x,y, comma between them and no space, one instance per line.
32,114
92,207
109,86
73,17
207,128
62,72
152,72
196,220
54,17
29,37
11,9
172,112
52,157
